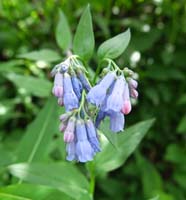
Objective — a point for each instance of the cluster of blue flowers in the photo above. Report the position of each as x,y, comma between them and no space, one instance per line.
80,134
69,82
111,96
81,137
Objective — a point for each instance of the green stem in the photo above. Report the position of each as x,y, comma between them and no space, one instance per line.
98,69
92,178
82,101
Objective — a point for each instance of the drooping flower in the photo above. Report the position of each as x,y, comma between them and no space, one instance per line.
84,150
100,116
117,121
71,151
126,107
84,80
92,135
69,131
77,86
70,99
115,99
97,94
58,85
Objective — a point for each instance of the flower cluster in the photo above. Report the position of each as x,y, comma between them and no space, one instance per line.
70,86
112,96
69,82
80,136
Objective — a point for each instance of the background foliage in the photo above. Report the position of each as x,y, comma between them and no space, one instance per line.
31,148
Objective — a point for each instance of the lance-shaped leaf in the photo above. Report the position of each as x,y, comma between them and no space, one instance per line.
63,33
62,176
6,157
46,55
83,44
25,192
115,46
38,136
31,85
152,182
115,154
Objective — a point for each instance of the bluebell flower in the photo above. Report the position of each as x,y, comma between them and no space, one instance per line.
126,107
84,150
114,101
58,85
92,135
71,151
100,116
69,131
117,121
97,94
76,86
84,81
102,112
70,99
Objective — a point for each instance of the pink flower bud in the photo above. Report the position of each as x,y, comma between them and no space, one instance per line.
62,127
133,83
133,93
64,117
69,131
58,80
68,136
60,101
57,91
58,85
126,107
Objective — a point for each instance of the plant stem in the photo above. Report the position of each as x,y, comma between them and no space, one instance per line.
92,178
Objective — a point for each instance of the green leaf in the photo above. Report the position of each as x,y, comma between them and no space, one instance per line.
180,176
62,176
143,41
63,33
126,142
151,180
115,46
6,157
11,65
83,44
155,198
175,153
34,86
46,55
25,192
182,125
38,136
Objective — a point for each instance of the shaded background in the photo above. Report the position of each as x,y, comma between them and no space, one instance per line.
156,52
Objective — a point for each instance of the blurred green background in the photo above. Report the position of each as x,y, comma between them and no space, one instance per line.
157,52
